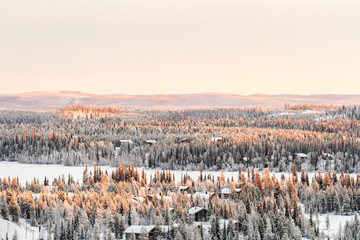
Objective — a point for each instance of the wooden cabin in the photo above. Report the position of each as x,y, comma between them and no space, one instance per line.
199,214
137,232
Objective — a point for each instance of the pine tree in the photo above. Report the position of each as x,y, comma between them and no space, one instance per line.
14,210
327,222
215,228
346,207
15,237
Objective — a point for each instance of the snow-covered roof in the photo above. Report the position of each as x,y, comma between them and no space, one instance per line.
214,139
150,141
126,141
139,229
183,140
302,155
226,191
205,195
183,187
238,190
195,210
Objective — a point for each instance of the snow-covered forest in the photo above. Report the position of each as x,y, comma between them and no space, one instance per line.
311,137
316,149
254,205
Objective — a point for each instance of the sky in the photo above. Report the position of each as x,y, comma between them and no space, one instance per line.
185,46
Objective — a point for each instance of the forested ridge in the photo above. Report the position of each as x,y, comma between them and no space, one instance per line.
244,137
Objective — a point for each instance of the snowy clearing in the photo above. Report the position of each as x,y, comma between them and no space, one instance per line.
27,172
20,229
335,221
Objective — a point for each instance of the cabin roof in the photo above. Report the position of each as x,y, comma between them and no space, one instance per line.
216,139
301,155
139,229
183,187
195,210
226,191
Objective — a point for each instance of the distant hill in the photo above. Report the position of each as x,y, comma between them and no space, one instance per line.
55,100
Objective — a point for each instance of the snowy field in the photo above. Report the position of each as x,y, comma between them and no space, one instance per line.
27,172
335,221
23,231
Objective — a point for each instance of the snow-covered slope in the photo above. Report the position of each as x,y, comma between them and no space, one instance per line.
24,231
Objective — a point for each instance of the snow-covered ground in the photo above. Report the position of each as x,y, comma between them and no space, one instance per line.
335,221
23,231
27,172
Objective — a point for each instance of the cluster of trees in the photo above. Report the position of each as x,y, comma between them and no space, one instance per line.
108,203
246,137
105,204
331,193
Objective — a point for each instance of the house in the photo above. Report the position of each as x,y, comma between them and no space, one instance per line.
184,140
152,232
150,142
184,189
126,141
216,139
237,190
225,192
199,214
301,156
135,232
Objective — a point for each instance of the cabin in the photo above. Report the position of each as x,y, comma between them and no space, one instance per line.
184,140
137,232
237,190
199,214
216,139
126,142
150,142
225,193
302,157
152,232
184,189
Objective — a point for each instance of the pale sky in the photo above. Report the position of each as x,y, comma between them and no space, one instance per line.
184,46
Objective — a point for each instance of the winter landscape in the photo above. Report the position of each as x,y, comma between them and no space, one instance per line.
179,120
226,173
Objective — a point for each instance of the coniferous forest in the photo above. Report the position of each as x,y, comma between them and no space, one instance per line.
313,149
313,138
